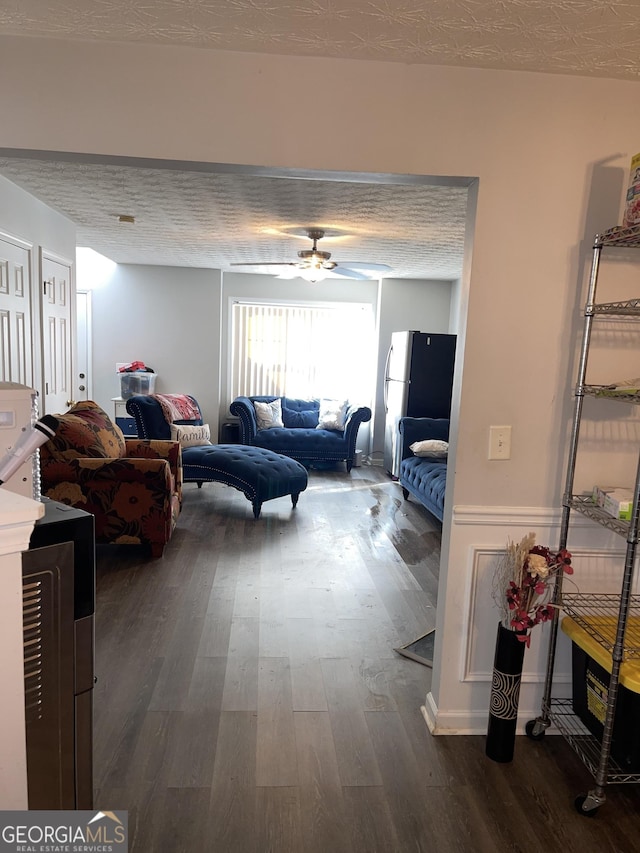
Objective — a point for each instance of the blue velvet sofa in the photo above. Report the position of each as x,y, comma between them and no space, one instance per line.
420,476
300,440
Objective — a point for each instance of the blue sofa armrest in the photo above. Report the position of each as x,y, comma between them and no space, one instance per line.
420,429
242,408
356,415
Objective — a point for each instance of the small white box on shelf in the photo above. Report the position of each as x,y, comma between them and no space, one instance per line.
619,504
600,493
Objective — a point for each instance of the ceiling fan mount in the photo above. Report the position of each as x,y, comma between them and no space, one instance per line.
315,258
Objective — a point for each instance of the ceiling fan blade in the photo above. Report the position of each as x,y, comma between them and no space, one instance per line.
292,272
359,271
343,272
365,267
263,264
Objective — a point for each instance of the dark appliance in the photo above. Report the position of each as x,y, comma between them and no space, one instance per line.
58,574
418,383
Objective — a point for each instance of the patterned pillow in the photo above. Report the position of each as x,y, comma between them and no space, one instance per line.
86,430
269,415
191,435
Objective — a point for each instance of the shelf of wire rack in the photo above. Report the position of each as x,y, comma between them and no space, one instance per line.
619,237
587,747
597,615
584,504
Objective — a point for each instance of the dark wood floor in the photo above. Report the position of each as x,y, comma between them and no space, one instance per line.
249,699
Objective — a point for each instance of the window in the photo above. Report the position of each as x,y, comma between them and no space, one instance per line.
303,350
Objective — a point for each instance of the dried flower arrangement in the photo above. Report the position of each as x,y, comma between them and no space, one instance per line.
523,584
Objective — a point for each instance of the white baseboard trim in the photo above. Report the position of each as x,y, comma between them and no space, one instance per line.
470,723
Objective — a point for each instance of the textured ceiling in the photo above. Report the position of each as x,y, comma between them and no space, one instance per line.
208,219
191,218
586,37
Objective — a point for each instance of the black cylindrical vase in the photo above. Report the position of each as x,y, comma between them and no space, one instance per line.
505,692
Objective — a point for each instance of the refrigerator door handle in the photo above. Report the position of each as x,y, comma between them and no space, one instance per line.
386,379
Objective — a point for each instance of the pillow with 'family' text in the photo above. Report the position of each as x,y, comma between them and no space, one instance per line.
333,414
191,435
269,415
430,447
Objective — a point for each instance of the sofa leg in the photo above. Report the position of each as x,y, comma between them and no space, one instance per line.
257,506
200,484
349,465
294,499
157,550
405,493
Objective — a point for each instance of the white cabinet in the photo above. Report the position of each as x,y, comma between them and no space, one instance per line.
123,419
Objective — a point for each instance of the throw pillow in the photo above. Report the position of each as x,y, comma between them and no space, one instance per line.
191,436
430,447
299,420
333,414
269,415
86,430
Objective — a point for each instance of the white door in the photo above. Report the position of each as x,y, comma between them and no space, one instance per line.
16,316
57,335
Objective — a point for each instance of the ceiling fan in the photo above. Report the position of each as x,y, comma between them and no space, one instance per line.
315,265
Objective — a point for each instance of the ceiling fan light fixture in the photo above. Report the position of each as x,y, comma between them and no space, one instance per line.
313,273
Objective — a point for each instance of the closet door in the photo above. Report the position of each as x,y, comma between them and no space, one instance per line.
57,335
16,315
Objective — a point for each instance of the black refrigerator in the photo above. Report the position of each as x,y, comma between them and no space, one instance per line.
418,383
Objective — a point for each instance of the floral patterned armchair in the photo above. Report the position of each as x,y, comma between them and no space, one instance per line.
132,487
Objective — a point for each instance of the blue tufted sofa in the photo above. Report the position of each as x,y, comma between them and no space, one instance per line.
424,477
304,443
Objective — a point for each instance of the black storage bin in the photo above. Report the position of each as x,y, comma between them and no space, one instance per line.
590,681
230,432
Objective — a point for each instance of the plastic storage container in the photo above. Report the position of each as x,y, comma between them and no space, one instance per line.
591,668
137,382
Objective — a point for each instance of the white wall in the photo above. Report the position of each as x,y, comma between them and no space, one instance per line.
169,318
24,216
551,154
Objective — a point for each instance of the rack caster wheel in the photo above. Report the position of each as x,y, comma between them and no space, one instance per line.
579,803
535,730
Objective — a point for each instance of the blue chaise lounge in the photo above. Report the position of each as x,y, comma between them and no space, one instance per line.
259,473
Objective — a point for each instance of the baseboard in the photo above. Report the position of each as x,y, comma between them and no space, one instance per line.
470,723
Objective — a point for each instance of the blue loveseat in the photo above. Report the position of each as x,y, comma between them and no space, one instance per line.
424,477
298,438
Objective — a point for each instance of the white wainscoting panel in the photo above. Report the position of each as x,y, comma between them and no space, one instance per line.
468,618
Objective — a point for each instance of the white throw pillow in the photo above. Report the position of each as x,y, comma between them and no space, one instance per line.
333,414
430,447
191,436
269,415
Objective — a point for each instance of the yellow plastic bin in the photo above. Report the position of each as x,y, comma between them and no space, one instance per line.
591,671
